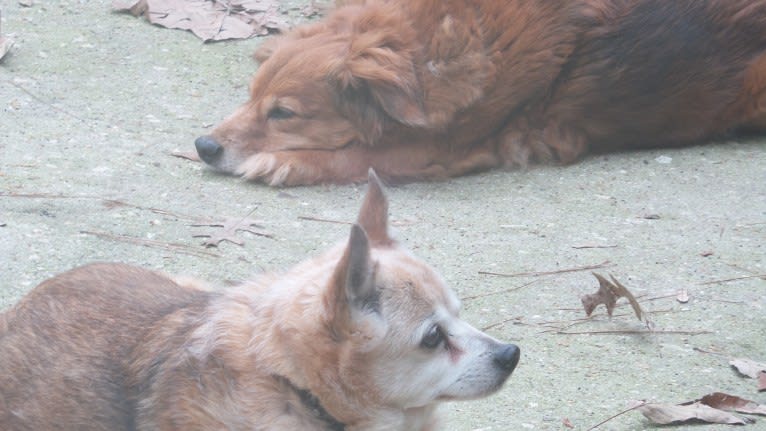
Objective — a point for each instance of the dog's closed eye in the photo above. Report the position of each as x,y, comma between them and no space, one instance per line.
433,338
280,113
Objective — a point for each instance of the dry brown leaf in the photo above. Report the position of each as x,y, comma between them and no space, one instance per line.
230,226
721,401
607,294
212,19
748,367
667,414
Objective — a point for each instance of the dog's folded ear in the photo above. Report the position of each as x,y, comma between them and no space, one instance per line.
376,81
273,43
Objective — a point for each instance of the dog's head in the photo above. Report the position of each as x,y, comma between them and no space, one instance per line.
400,337
322,87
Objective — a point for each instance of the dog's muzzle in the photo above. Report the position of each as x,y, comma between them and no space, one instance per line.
208,149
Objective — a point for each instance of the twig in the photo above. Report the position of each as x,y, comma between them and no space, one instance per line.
634,331
543,273
501,322
322,220
45,102
580,247
654,298
497,292
727,301
741,268
708,352
574,322
614,416
180,248
726,280
106,201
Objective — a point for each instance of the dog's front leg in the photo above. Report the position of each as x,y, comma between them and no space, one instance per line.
403,161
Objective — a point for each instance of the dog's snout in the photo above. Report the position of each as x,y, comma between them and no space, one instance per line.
507,357
209,149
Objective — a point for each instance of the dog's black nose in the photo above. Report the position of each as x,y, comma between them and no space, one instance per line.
208,149
507,357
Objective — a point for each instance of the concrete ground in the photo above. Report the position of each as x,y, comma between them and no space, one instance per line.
94,103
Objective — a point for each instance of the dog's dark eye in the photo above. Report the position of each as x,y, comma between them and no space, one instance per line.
433,338
279,113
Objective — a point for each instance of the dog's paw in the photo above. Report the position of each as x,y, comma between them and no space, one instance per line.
518,144
265,167
286,168
308,167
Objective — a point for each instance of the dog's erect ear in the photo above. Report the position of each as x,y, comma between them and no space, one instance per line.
354,297
376,81
373,216
361,293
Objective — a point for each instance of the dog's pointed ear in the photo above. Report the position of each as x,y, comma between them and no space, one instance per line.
377,82
361,293
373,215
354,297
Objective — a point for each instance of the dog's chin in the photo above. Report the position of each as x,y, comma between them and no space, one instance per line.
467,395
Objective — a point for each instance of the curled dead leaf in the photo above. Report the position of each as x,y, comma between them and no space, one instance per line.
712,408
607,294
748,367
722,401
664,414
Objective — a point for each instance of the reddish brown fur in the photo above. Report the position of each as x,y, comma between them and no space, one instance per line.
424,89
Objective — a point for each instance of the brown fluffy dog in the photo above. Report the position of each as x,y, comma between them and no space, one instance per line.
424,89
364,337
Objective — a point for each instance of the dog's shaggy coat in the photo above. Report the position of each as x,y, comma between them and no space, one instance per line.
423,89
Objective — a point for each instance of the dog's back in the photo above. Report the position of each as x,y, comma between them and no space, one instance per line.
657,72
48,340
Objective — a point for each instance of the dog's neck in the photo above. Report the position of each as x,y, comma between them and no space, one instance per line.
312,404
